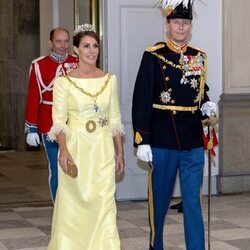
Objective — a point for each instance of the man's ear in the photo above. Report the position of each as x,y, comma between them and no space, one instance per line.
167,27
167,24
191,28
50,44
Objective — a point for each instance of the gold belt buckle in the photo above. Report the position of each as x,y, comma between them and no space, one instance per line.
90,126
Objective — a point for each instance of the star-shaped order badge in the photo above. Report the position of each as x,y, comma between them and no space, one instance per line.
193,83
165,97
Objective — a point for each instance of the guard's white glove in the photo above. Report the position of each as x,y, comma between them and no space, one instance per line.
33,139
144,153
209,108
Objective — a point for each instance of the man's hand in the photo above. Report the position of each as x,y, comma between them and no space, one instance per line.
212,120
144,153
33,139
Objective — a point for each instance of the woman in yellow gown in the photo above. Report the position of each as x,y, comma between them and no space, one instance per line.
86,119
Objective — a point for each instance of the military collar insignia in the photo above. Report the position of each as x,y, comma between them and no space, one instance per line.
58,58
176,48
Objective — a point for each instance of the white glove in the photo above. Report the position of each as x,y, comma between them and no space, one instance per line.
33,139
209,108
144,153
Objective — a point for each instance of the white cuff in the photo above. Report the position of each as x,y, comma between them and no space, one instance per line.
56,129
117,129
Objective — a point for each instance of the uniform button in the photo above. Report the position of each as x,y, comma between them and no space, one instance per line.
167,78
174,112
169,90
164,67
172,101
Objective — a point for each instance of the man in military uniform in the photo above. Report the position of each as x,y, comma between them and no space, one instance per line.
169,94
38,116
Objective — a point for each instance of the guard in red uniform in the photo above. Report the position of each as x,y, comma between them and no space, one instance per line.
38,116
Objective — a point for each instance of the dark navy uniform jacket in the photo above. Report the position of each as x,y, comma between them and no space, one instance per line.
166,106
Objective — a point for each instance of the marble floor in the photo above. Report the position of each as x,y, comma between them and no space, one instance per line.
26,210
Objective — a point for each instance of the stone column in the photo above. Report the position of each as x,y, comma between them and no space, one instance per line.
19,24
234,105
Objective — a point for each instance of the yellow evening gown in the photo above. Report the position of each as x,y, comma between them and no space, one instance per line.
84,215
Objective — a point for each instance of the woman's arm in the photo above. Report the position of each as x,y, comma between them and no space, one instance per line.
64,155
119,167
116,126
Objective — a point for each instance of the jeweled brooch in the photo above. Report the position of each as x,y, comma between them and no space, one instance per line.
103,121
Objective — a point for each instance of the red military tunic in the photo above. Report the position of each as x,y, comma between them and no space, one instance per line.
43,71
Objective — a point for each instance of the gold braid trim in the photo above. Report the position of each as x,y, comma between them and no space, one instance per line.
151,204
161,57
203,79
92,96
175,108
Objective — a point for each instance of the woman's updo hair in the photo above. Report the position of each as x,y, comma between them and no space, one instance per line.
82,31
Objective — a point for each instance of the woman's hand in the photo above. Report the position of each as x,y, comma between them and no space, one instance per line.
64,155
64,159
119,167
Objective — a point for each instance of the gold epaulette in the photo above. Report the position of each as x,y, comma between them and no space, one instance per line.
196,48
156,47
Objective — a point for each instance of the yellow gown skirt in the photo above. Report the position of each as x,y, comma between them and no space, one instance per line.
85,211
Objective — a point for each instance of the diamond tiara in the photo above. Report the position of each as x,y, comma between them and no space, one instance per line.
83,28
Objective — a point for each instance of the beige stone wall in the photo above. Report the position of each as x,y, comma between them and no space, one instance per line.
236,49
234,153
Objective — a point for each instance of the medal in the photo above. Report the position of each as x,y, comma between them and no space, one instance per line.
165,97
97,109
